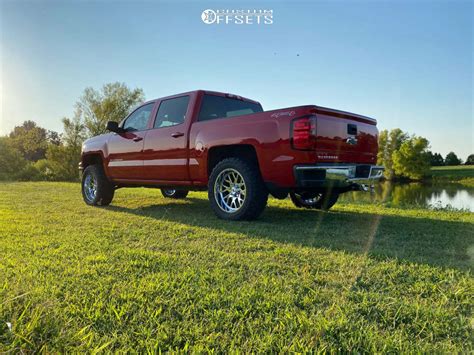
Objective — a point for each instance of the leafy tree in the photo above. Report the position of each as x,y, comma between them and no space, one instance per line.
436,159
383,155
54,137
32,140
389,142
470,160
74,131
452,159
63,159
112,103
412,160
12,164
404,156
44,170
61,163
56,156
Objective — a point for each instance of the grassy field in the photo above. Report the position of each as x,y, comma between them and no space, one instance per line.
463,174
148,273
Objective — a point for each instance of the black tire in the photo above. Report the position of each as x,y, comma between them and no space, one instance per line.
104,192
255,196
173,193
314,200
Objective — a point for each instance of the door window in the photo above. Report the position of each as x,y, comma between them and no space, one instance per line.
138,120
172,112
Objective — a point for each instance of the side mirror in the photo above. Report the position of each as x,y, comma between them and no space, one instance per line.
113,126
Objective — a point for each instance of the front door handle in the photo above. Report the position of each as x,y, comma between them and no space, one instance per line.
137,139
177,134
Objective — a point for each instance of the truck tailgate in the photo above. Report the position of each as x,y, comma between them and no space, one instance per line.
345,137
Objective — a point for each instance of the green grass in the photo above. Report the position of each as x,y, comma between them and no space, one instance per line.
463,174
148,274
459,174
458,168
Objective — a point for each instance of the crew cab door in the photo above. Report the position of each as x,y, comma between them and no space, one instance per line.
125,150
165,150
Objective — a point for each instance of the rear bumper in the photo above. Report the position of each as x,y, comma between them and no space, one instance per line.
353,176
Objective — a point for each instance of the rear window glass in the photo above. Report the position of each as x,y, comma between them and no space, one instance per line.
213,107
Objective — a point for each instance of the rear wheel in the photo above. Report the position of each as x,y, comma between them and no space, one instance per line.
236,190
174,193
315,200
97,190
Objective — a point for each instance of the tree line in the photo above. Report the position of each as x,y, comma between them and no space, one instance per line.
407,157
31,152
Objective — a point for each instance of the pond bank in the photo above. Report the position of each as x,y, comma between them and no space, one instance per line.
426,195
461,174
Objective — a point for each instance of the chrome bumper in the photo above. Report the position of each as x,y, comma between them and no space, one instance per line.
356,176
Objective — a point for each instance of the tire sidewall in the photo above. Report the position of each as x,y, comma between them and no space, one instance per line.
105,191
90,170
244,170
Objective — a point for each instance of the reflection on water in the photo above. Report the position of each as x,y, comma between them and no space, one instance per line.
416,194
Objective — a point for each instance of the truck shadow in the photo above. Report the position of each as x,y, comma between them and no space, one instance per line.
420,240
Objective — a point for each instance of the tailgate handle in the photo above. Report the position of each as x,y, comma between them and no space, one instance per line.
351,129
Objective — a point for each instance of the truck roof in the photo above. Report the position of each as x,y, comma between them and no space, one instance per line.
321,109
210,92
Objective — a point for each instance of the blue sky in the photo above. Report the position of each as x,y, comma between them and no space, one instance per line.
406,63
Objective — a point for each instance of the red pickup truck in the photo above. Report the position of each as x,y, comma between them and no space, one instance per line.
228,145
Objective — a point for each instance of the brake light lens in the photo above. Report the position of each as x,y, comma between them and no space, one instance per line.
303,133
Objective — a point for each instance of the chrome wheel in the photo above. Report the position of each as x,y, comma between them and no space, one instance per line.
90,187
230,190
169,192
310,198
317,200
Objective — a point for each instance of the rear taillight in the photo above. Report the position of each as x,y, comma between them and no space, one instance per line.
303,133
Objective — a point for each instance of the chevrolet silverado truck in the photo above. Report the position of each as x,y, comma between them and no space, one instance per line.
226,144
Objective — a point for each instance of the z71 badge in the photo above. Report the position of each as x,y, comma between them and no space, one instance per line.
284,113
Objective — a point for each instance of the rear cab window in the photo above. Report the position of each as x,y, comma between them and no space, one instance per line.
213,107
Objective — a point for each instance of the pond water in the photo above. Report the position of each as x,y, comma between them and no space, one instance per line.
416,194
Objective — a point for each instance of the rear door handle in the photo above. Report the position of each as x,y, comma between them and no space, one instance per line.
137,139
177,134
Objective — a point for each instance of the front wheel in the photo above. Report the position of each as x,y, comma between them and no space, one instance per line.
173,193
314,200
97,190
236,190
